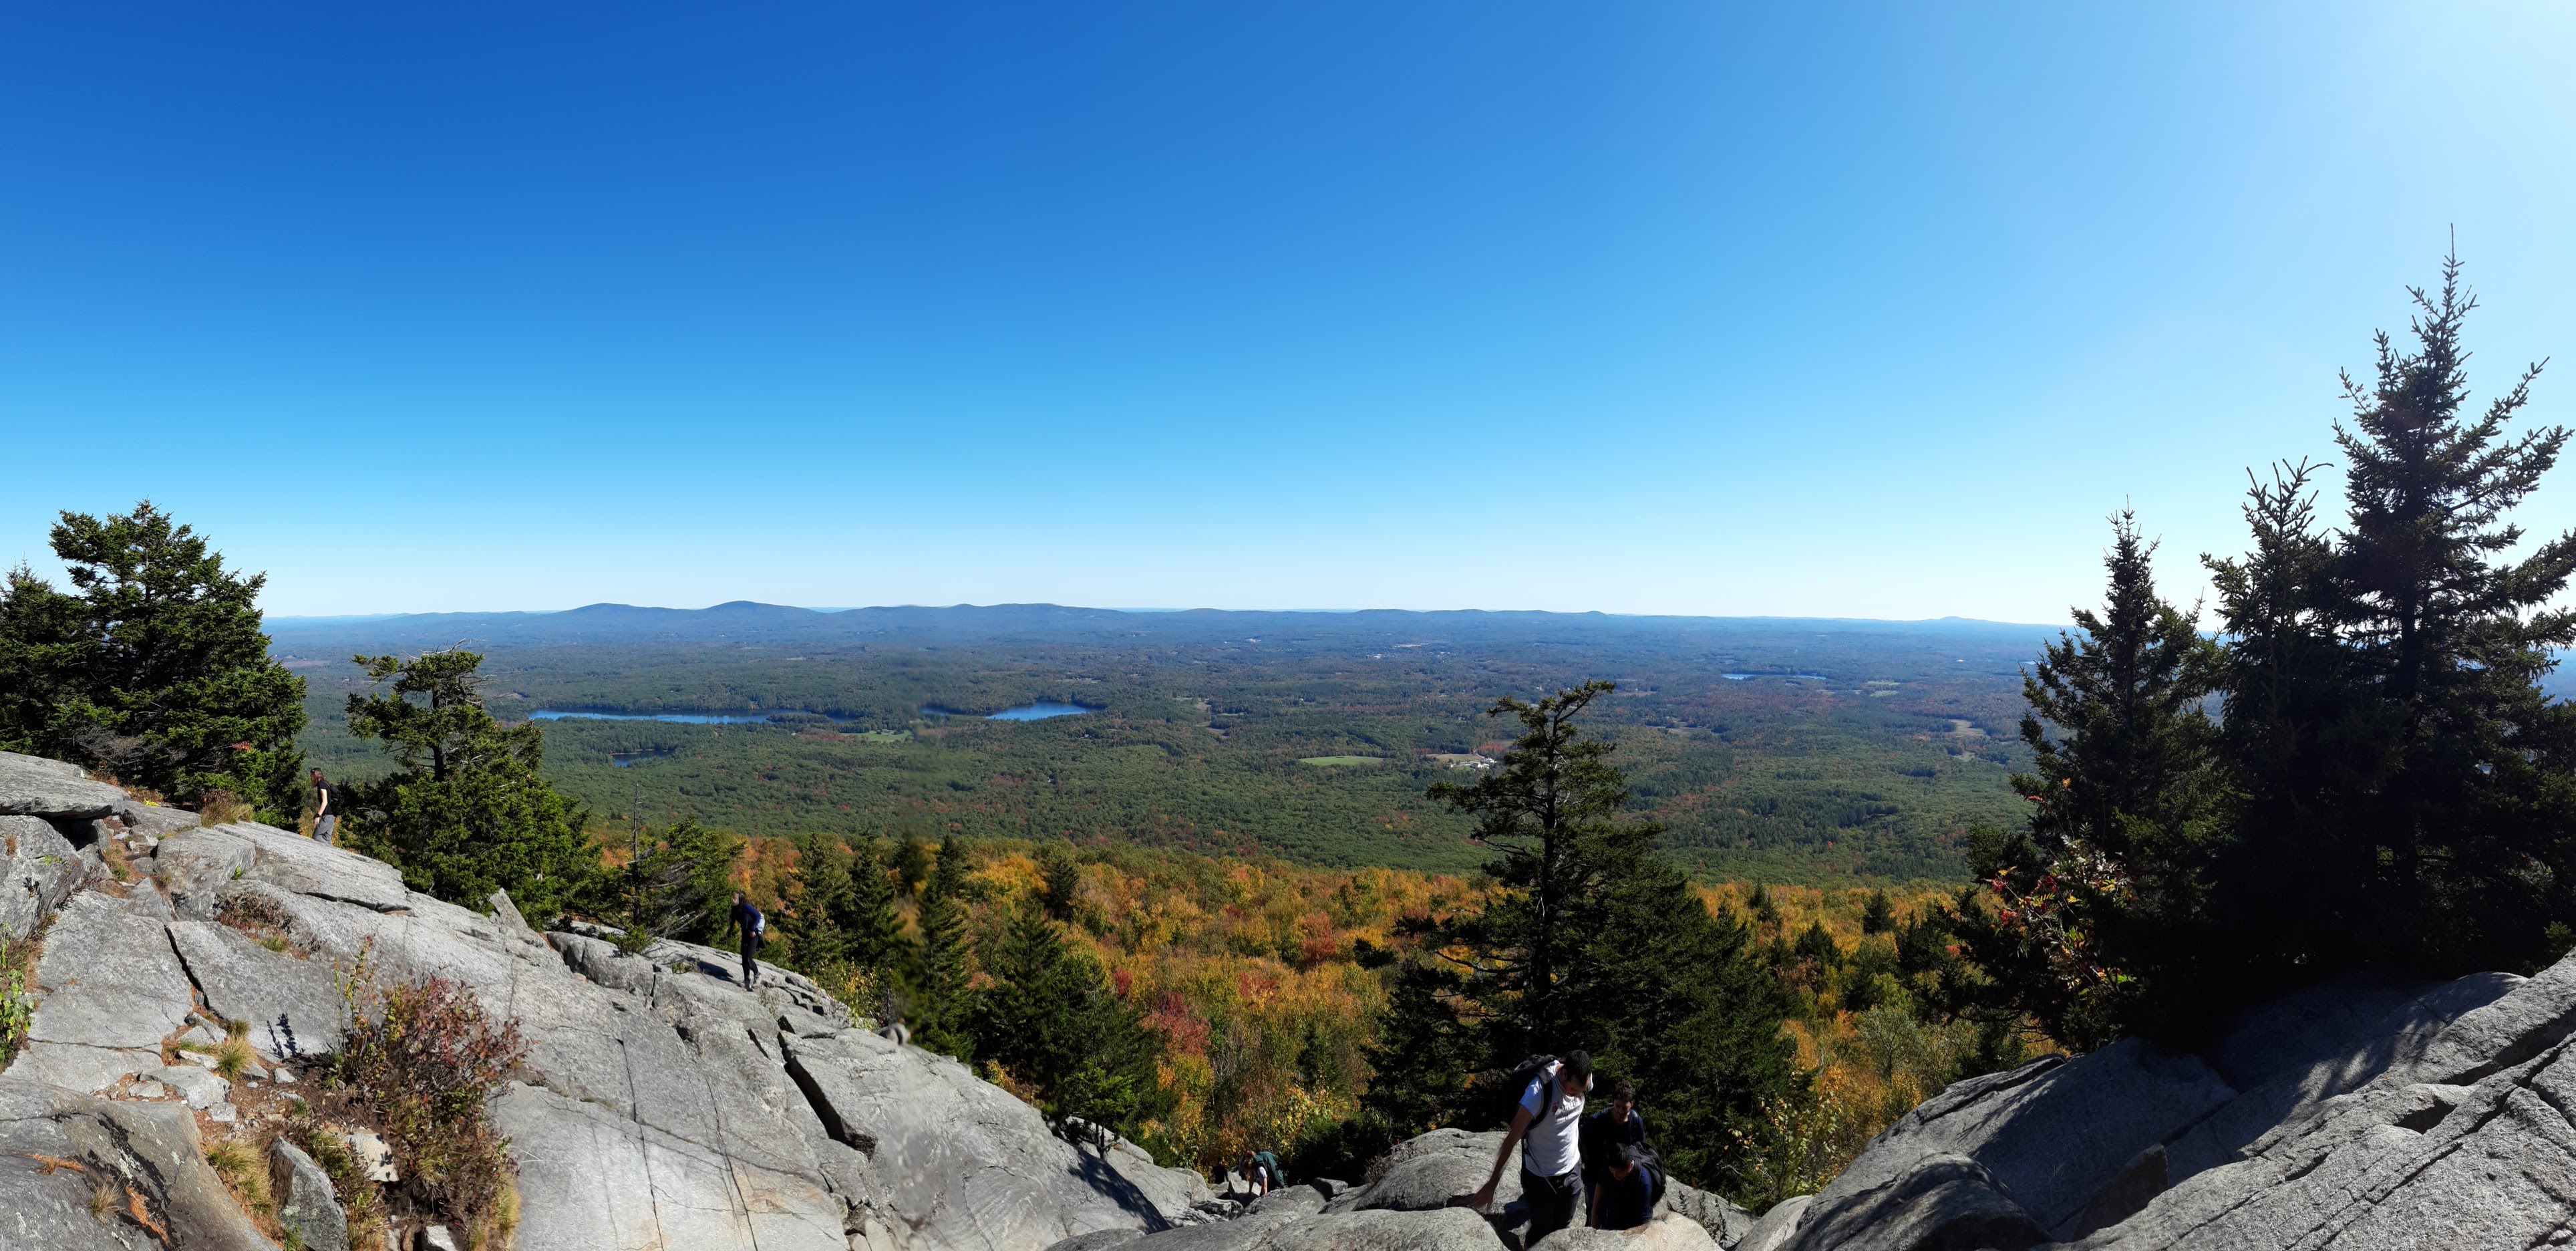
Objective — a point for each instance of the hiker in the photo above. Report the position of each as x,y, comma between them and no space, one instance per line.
1625,1199
1550,1119
326,808
1604,1133
1260,1171
754,927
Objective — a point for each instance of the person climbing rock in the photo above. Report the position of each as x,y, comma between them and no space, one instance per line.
1550,1119
326,808
754,927
1625,1199
1604,1133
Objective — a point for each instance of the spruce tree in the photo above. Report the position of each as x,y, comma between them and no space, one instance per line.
2468,833
1050,1019
675,884
2104,903
940,1007
1591,940
820,904
2295,735
467,809
1059,880
154,669
876,938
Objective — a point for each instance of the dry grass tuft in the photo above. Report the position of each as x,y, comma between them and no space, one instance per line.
48,1165
222,808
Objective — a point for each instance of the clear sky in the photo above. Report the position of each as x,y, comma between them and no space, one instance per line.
1692,307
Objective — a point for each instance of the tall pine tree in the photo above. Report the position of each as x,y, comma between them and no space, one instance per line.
1590,940
2470,824
2103,903
153,669
467,809
940,1010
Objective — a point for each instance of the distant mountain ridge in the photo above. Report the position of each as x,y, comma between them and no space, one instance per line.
748,621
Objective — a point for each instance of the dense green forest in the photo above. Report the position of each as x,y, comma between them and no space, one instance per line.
1842,750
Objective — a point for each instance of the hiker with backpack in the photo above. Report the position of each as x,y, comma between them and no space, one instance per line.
1625,1199
1260,1171
326,809
1547,1125
1605,1134
754,927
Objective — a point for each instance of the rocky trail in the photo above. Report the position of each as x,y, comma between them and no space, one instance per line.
663,1106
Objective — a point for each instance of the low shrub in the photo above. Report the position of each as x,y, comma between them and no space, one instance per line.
17,1007
420,1062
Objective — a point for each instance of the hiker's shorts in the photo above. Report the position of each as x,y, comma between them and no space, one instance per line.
1551,1202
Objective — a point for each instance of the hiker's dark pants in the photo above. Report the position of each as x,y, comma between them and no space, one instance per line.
750,968
1551,1203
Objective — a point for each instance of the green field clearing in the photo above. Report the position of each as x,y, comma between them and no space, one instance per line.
1342,760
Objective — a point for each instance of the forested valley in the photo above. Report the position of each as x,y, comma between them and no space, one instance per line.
1315,882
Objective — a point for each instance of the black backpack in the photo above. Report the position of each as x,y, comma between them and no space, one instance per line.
1521,1076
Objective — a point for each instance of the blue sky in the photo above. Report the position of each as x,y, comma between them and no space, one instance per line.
1707,308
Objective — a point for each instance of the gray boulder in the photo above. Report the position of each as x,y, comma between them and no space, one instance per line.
112,991
42,872
62,1154
1445,1229
1777,1226
963,1163
2043,1139
2359,1114
295,863
31,786
1291,1201
1429,1171
154,821
306,1202
1669,1231
1724,1221
292,1005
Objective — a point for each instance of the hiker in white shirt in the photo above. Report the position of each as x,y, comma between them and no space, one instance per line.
1548,1126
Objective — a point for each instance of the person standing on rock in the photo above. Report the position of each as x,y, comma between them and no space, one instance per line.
1548,1127
326,808
1605,1134
747,918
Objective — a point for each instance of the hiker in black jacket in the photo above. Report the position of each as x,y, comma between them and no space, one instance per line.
1605,1133
747,919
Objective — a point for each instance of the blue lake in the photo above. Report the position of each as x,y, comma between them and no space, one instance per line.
1747,677
1038,711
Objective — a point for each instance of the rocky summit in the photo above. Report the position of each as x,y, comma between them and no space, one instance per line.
664,1106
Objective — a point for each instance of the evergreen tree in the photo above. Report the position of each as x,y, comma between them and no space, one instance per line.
940,1007
676,884
2104,901
819,905
466,810
912,864
1877,915
1591,940
153,669
2296,733
1050,1019
1059,880
876,938
2470,822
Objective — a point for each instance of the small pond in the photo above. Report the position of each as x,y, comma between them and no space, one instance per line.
1801,677
1038,711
